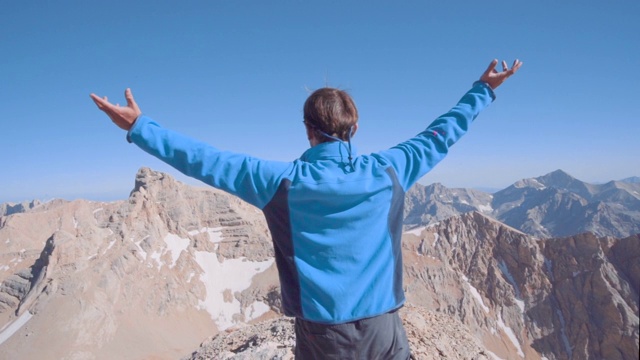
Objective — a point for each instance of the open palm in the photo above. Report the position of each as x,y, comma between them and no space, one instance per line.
494,78
123,116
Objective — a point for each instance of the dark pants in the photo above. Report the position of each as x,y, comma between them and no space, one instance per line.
381,337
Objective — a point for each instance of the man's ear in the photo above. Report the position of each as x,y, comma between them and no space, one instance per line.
355,129
311,136
309,132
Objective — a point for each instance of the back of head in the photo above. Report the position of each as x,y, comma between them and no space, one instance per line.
330,111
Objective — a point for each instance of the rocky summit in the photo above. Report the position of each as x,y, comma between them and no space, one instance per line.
182,272
431,336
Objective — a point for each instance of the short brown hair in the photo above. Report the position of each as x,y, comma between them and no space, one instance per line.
331,111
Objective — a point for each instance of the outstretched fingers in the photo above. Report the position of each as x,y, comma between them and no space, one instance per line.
494,78
131,102
102,103
516,65
491,68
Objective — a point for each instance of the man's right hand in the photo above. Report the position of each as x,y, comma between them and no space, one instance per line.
123,116
493,78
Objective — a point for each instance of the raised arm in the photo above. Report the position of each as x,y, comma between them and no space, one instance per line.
253,180
415,157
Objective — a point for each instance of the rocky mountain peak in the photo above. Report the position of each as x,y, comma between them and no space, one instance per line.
557,177
564,182
553,205
631,180
435,202
147,178
14,208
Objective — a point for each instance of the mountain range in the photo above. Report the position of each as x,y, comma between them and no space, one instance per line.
177,271
553,205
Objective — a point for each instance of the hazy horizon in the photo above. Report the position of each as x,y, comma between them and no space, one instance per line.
119,195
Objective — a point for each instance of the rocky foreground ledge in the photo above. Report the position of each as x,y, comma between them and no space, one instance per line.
431,336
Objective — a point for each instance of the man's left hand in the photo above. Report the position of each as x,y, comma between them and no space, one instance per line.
123,116
495,78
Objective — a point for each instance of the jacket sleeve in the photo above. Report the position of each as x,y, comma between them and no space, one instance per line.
251,179
415,157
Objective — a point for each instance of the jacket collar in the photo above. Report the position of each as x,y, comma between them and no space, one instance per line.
329,150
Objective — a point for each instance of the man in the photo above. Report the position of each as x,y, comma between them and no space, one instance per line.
335,218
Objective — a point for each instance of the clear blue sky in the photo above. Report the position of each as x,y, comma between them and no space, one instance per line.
236,73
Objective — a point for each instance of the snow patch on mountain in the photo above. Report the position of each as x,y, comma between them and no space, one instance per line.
10,329
417,231
476,294
222,279
510,335
176,245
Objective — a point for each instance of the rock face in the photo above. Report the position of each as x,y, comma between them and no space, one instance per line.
148,277
429,204
565,298
432,336
553,205
157,275
595,295
11,208
631,180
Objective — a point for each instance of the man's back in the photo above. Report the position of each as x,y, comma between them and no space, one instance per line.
336,228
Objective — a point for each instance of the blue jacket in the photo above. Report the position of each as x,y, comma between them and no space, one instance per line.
336,226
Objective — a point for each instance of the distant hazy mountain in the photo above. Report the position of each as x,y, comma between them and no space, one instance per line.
435,202
552,205
13,208
631,180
